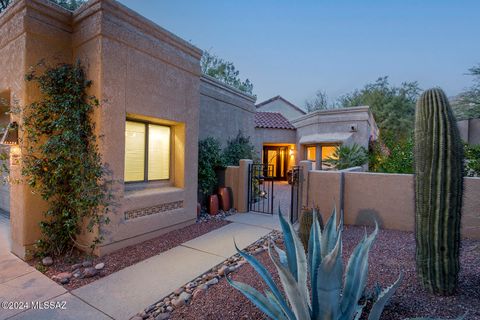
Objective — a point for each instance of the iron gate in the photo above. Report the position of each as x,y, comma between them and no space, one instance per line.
295,201
260,188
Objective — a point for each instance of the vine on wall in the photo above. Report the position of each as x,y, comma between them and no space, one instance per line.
61,160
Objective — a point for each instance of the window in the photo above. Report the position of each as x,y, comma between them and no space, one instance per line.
312,156
328,152
147,152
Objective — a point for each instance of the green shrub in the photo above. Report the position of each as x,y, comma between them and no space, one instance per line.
61,161
209,158
400,159
472,160
348,156
238,148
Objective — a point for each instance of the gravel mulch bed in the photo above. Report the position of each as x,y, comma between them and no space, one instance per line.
128,256
393,251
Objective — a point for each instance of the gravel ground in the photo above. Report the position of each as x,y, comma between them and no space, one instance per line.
393,251
130,255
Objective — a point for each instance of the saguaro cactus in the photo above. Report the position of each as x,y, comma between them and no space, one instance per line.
438,192
305,224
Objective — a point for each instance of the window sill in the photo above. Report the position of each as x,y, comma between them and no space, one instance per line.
149,188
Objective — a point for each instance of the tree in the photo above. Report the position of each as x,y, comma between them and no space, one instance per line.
467,104
319,102
224,71
393,107
238,148
67,4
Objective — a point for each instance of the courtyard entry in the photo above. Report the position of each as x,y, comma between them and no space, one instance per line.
277,158
267,194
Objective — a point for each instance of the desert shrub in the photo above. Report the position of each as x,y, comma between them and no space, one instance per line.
61,162
472,160
209,158
348,156
400,158
238,148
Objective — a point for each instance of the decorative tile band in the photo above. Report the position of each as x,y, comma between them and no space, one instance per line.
164,207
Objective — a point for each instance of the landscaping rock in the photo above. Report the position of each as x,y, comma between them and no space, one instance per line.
178,291
191,285
90,272
136,318
47,261
169,308
163,316
100,266
212,282
87,263
63,277
77,266
223,271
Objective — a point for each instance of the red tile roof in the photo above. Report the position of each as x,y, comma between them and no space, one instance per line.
272,120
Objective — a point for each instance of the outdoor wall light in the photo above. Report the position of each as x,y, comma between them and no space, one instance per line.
10,137
291,152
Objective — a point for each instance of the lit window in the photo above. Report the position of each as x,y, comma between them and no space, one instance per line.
312,153
328,151
147,152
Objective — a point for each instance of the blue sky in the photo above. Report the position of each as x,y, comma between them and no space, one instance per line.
293,48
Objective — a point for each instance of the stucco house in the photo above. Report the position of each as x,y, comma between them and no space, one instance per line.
282,143
156,107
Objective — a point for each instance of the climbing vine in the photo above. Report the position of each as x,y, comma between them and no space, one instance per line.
62,162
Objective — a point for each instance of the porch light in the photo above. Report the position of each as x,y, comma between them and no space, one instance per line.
10,137
291,152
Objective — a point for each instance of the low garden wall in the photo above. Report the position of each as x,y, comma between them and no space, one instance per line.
387,198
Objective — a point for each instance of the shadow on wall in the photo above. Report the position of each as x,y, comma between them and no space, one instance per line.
367,217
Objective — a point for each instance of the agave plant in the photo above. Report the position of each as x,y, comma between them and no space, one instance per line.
329,297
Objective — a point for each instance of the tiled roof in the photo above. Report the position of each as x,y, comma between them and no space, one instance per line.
272,120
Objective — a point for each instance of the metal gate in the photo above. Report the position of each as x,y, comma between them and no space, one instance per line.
260,188
295,201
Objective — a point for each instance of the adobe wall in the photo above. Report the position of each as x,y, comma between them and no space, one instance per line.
387,198
470,130
158,76
139,70
224,111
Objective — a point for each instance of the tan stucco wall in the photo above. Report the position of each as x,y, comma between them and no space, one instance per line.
139,70
337,121
470,130
388,198
224,111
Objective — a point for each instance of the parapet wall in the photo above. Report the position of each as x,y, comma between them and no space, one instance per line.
387,198
224,111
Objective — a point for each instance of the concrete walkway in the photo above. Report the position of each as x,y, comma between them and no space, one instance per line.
126,292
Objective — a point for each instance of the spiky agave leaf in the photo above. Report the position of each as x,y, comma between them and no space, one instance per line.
329,234
301,264
383,298
292,290
314,261
329,282
267,306
356,275
289,245
267,277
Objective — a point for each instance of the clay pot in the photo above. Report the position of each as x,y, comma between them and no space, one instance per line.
213,204
224,198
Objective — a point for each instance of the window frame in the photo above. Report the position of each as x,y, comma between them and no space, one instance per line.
145,163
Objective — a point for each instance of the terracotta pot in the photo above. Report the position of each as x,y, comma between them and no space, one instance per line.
213,204
224,198
199,209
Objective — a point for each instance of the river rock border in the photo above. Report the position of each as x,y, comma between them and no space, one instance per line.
161,309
